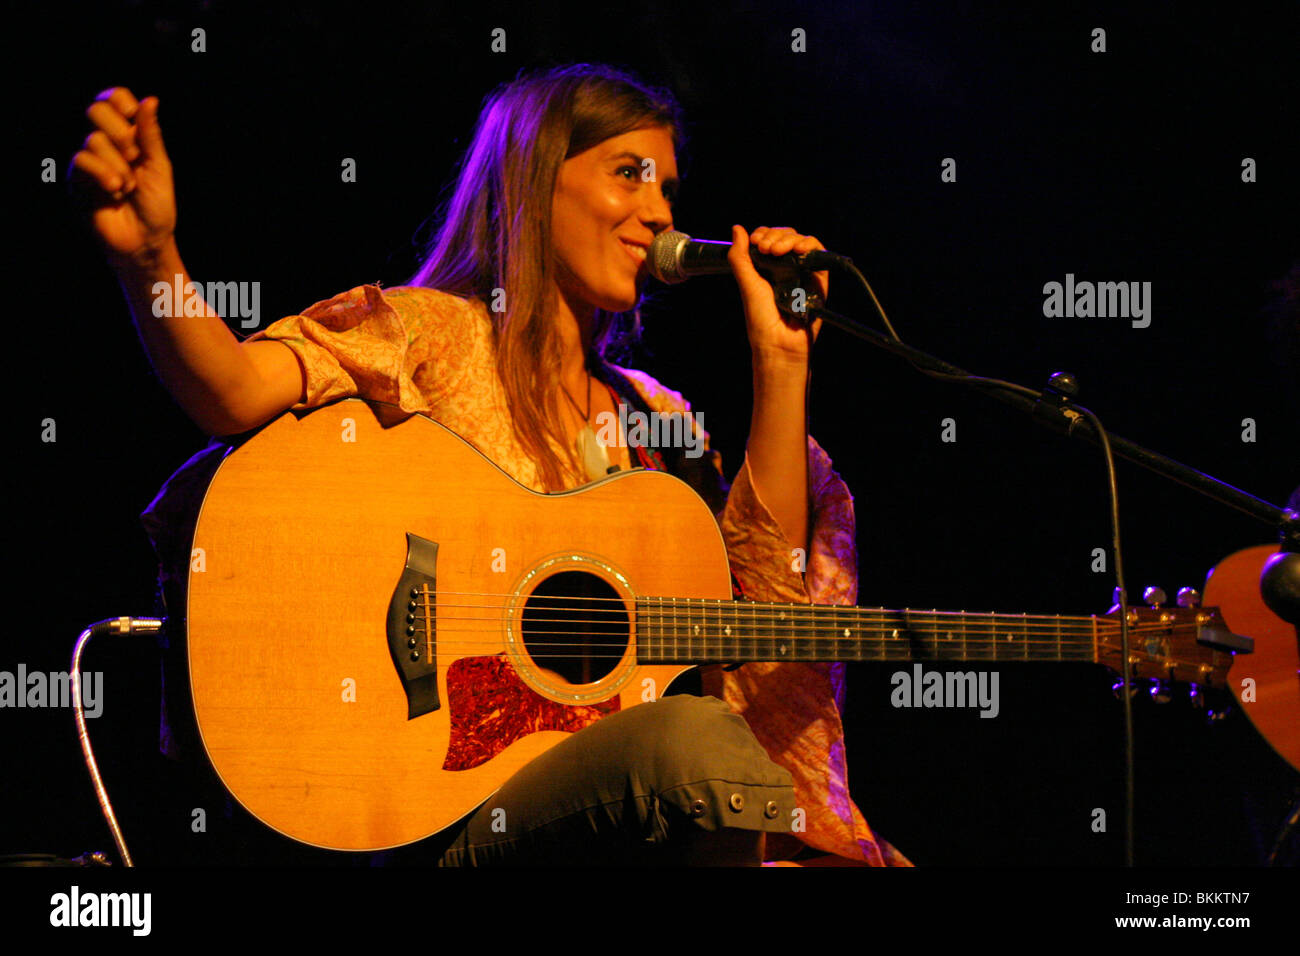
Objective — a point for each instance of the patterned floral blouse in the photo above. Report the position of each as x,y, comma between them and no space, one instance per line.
434,353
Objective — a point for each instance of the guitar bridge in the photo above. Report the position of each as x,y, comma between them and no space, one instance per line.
412,627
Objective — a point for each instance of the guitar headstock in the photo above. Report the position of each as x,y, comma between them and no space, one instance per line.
1188,645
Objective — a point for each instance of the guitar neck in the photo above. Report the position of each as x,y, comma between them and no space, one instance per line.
691,631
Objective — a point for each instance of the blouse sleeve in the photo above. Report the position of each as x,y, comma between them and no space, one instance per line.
400,346
793,709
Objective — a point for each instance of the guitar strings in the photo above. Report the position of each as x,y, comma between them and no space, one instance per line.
675,602
1081,643
749,608
823,632
888,620
763,611
1032,631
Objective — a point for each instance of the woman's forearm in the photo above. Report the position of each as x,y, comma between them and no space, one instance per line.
778,444
225,386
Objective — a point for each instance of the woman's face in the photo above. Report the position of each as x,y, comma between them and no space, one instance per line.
609,204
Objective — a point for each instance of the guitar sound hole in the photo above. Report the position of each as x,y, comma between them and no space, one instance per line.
575,625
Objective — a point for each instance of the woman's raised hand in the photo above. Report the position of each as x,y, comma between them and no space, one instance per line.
122,172
771,335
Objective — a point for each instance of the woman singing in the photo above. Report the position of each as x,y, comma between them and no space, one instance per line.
536,269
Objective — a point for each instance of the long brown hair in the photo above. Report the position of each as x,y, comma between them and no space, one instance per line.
495,230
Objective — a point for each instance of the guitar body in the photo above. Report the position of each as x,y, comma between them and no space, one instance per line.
297,689
1233,586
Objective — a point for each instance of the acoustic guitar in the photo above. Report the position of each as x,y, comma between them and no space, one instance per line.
383,626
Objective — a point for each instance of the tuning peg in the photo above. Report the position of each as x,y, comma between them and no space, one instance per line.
1188,597
1154,597
1160,692
1117,689
1195,697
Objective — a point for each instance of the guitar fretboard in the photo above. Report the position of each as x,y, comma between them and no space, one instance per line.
680,630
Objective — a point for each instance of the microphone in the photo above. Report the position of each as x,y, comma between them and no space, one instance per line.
675,257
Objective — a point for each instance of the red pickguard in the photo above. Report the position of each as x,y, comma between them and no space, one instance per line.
491,708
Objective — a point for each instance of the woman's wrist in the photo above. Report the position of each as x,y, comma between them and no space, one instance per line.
778,367
150,263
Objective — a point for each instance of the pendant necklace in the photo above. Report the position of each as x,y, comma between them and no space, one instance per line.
593,454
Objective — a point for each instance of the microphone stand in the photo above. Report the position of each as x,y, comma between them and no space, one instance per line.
1052,408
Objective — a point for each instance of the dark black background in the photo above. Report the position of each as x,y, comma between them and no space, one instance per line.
1117,166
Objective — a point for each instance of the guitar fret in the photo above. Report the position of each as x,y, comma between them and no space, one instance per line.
665,636
808,639
1033,650
661,639
693,633
803,638
915,638
805,645
708,632
709,652
692,629
727,642
883,646
741,637
810,642
699,614
677,655
754,629
742,624
983,646
855,640
824,644
759,647
717,649
654,638
729,629
703,631
713,642
724,630
780,636
661,644
700,632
